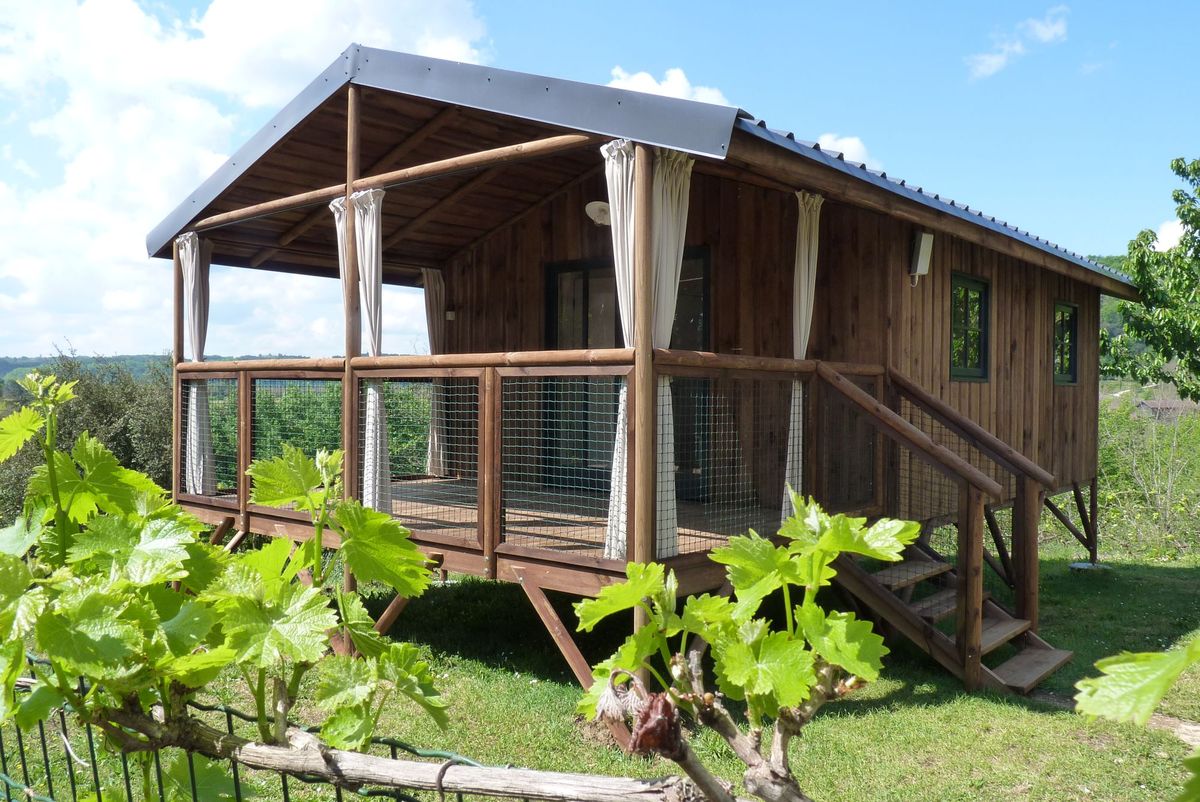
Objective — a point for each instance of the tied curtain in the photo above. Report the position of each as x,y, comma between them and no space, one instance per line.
435,317
804,284
367,207
671,183
199,466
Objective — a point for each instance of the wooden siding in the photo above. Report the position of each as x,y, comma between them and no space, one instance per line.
866,309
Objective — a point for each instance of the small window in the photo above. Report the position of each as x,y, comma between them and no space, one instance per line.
1066,343
968,328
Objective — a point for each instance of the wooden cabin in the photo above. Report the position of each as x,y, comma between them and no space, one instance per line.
646,317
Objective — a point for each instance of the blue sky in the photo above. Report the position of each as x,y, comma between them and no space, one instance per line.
1058,118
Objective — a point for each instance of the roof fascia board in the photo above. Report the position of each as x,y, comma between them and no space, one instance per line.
702,129
324,86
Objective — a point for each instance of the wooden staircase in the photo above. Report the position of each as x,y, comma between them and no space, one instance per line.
925,575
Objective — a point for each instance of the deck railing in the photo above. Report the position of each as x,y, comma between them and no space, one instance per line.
494,456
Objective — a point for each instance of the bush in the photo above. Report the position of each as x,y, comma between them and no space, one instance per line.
1149,475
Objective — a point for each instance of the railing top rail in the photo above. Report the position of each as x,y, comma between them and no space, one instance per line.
597,356
995,448
707,359
326,363
901,430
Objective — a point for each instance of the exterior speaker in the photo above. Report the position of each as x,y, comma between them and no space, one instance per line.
922,250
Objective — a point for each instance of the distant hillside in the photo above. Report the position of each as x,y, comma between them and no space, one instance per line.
1110,316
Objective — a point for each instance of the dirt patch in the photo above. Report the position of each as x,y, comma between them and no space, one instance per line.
1184,730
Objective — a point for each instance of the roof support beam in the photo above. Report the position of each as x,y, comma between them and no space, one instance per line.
510,154
754,154
440,206
389,160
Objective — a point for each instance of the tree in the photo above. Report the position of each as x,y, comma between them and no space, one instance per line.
1167,321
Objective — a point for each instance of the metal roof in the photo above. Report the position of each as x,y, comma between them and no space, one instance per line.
701,129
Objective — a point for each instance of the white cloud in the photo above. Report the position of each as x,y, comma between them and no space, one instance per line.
851,147
127,112
1048,29
674,83
1169,234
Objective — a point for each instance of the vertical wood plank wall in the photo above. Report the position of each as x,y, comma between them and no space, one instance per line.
866,310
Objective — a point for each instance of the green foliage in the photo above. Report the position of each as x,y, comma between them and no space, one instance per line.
772,666
1132,685
1161,339
107,580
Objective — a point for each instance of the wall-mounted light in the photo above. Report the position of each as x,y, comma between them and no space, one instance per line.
598,212
922,251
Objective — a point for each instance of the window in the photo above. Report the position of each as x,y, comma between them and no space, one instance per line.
1066,343
968,328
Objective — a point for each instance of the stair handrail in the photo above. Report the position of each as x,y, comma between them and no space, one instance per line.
899,429
999,451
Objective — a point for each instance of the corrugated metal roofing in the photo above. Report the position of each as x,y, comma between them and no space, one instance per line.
702,129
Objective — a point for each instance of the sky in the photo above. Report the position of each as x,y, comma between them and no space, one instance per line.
1061,119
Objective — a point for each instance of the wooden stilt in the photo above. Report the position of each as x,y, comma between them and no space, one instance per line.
566,644
1067,522
236,541
1094,514
221,531
1005,569
970,591
388,617
1087,516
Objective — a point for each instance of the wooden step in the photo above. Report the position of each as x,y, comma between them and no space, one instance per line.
1031,665
940,605
1000,630
910,572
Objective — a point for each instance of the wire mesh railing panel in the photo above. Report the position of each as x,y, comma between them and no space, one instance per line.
429,477
848,451
730,440
208,434
558,435
926,494
304,413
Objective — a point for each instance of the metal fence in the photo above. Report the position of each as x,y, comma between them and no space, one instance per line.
208,437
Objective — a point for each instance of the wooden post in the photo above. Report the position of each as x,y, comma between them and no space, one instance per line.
488,479
1027,514
969,636
245,441
176,385
644,464
1093,513
353,318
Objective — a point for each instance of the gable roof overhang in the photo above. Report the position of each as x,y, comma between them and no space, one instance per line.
525,105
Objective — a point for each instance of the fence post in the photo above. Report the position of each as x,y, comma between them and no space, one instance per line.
489,481
1027,513
970,583
245,441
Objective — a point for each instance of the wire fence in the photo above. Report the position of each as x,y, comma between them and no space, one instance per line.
208,437
304,413
431,428
61,760
848,454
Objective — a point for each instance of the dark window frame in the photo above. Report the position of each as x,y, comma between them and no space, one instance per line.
1070,376
701,253
977,372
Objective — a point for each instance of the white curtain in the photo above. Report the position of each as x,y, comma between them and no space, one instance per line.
618,170
804,285
669,198
435,322
199,462
367,207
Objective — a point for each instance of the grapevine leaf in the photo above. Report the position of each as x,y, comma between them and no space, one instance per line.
17,620
16,539
108,539
97,484
884,540
631,655
160,553
18,429
1191,790
358,623
213,780
12,661
1132,685
199,668
271,564
203,565
38,705
291,626
290,479
841,639
89,636
14,578
345,681
642,582
188,628
402,666
777,670
348,728
377,548
707,615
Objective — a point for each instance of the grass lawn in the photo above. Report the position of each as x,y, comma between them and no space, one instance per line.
912,735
